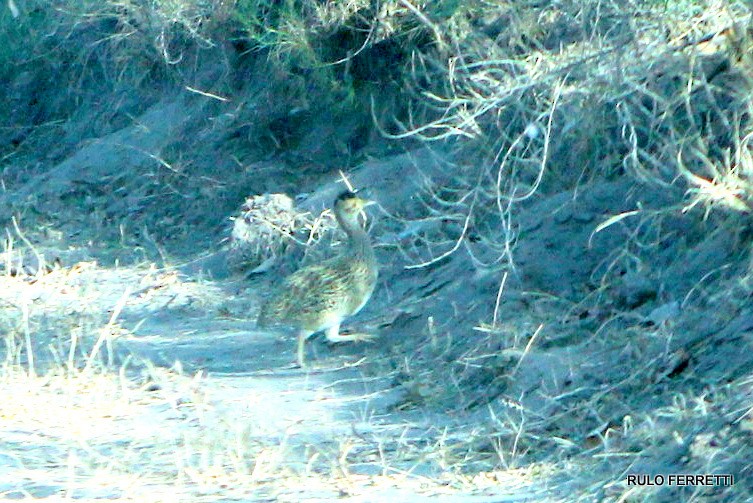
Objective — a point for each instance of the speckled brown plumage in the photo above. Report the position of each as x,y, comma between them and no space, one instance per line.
319,297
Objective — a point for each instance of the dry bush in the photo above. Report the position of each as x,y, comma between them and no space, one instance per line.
264,230
120,38
56,56
544,98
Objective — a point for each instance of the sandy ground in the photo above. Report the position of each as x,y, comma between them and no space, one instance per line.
232,419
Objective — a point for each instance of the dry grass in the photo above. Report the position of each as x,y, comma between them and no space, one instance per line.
83,419
658,90
104,434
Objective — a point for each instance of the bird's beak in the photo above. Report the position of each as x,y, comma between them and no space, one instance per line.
364,204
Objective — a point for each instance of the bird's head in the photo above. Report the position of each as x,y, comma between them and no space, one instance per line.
349,205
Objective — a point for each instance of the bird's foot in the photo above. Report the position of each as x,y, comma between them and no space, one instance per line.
354,337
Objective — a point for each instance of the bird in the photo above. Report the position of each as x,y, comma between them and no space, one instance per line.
317,298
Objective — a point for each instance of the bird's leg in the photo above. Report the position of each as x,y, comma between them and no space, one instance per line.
302,336
333,335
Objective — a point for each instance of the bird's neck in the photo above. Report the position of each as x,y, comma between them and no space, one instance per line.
358,240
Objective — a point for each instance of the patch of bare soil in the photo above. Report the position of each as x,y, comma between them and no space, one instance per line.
174,397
